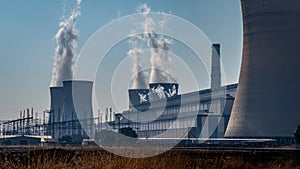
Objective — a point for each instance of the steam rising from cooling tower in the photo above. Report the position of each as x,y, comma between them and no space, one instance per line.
162,84
160,59
65,52
140,78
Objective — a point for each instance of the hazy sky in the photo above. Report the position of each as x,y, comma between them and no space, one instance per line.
27,40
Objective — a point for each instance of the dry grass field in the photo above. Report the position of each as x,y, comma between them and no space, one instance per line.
60,157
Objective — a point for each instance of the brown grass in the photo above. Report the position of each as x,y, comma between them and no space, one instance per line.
176,158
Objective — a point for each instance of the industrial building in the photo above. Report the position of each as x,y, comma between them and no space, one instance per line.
267,98
199,114
24,140
183,116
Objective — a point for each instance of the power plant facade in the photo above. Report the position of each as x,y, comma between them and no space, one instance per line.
182,116
268,94
199,114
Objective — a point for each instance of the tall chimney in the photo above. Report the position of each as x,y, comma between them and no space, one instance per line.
32,112
215,67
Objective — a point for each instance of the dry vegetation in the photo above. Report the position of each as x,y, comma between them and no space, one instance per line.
176,158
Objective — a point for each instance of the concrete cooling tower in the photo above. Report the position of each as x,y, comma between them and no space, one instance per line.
78,99
56,94
268,93
78,104
139,99
56,107
71,109
167,90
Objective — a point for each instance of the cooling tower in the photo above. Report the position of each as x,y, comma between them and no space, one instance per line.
78,104
139,99
268,93
78,99
168,89
56,108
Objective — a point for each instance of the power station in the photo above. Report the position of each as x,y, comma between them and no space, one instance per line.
263,105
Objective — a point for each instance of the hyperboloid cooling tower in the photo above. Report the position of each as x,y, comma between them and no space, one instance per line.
168,89
71,103
56,108
77,99
268,93
139,99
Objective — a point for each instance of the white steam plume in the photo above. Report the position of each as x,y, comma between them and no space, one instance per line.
65,52
139,80
161,62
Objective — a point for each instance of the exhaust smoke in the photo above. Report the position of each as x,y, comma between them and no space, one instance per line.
161,62
65,52
140,78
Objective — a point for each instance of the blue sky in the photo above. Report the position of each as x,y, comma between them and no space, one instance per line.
27,40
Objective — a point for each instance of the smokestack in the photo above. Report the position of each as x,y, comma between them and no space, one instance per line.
110,114
215,68
268,94
106,114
